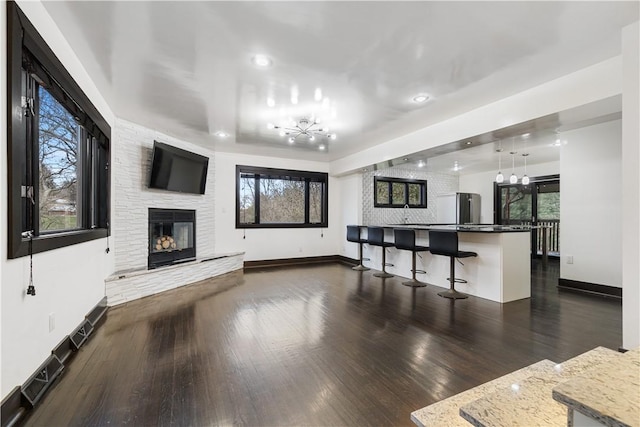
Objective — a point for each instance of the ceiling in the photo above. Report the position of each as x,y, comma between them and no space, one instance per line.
185,68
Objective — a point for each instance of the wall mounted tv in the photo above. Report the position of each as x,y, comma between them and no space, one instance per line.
174,169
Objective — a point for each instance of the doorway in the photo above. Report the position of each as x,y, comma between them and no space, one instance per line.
536,204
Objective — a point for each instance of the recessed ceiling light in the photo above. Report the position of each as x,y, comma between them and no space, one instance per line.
321,147
419,99
291,139
262,61
221,134
469,142
526,135
405,159
420,164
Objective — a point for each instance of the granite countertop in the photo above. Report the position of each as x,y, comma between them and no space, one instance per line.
609,394
466,228
447,412
529,402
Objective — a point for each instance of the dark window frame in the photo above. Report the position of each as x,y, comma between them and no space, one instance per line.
24,43
406,182
305,176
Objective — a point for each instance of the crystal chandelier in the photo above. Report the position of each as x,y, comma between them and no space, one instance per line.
305,127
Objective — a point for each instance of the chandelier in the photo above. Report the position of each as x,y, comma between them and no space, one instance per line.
305,127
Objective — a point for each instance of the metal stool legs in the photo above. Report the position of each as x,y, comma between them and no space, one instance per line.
360,267
414,283
384,273
451,292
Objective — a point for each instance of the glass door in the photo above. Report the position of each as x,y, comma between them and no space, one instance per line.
536,204
547,198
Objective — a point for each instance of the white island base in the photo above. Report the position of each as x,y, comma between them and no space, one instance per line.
501,272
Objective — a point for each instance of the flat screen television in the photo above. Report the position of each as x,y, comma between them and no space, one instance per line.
174,169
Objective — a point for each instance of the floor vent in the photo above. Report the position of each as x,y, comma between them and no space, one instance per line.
35,386
80,335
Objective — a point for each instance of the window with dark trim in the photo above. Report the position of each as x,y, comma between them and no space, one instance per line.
58,149
279,198
399,192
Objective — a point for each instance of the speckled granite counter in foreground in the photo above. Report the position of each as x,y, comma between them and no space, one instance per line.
446,412
609,394
529,402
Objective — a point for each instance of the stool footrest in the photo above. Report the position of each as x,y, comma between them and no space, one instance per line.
457,280
388,264
419,271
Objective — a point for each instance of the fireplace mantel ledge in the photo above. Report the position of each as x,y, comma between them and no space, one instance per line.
125,274
125,286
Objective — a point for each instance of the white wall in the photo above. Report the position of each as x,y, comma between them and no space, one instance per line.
482,183
590,204
351,211
276,243
69,281
631,186
132,147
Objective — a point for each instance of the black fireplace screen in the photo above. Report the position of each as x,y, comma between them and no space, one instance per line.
171,236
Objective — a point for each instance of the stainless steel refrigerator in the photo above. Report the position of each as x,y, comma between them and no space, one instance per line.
458,208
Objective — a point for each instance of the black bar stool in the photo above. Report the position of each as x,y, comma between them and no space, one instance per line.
375,237
406,239
446,243
353,235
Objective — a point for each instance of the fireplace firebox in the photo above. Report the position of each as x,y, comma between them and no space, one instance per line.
172,236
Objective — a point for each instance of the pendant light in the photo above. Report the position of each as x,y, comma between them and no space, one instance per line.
513,179
499,177
525,178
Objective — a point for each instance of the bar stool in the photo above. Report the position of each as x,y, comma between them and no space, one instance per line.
406,239
446,243
353,235
375,237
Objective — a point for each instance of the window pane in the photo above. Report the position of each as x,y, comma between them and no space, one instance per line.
281,201
382,192
516,204
397,189
315,202
548,206
414,194
247,199
59,190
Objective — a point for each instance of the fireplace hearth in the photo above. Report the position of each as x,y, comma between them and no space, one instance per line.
172,236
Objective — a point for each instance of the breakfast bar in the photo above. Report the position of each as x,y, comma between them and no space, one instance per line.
501,272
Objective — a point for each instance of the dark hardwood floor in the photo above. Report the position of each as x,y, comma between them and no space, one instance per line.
314,345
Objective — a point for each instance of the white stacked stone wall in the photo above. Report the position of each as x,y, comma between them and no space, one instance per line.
131,153
121,288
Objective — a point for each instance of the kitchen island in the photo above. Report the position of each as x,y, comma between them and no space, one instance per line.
501,272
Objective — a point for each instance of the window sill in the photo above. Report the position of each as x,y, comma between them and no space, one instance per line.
281,226
52,241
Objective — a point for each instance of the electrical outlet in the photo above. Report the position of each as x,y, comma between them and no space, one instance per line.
52,321
569,259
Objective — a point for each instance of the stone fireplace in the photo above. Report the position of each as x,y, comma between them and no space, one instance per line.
172,236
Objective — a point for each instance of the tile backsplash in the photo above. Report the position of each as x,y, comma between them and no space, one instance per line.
436,184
